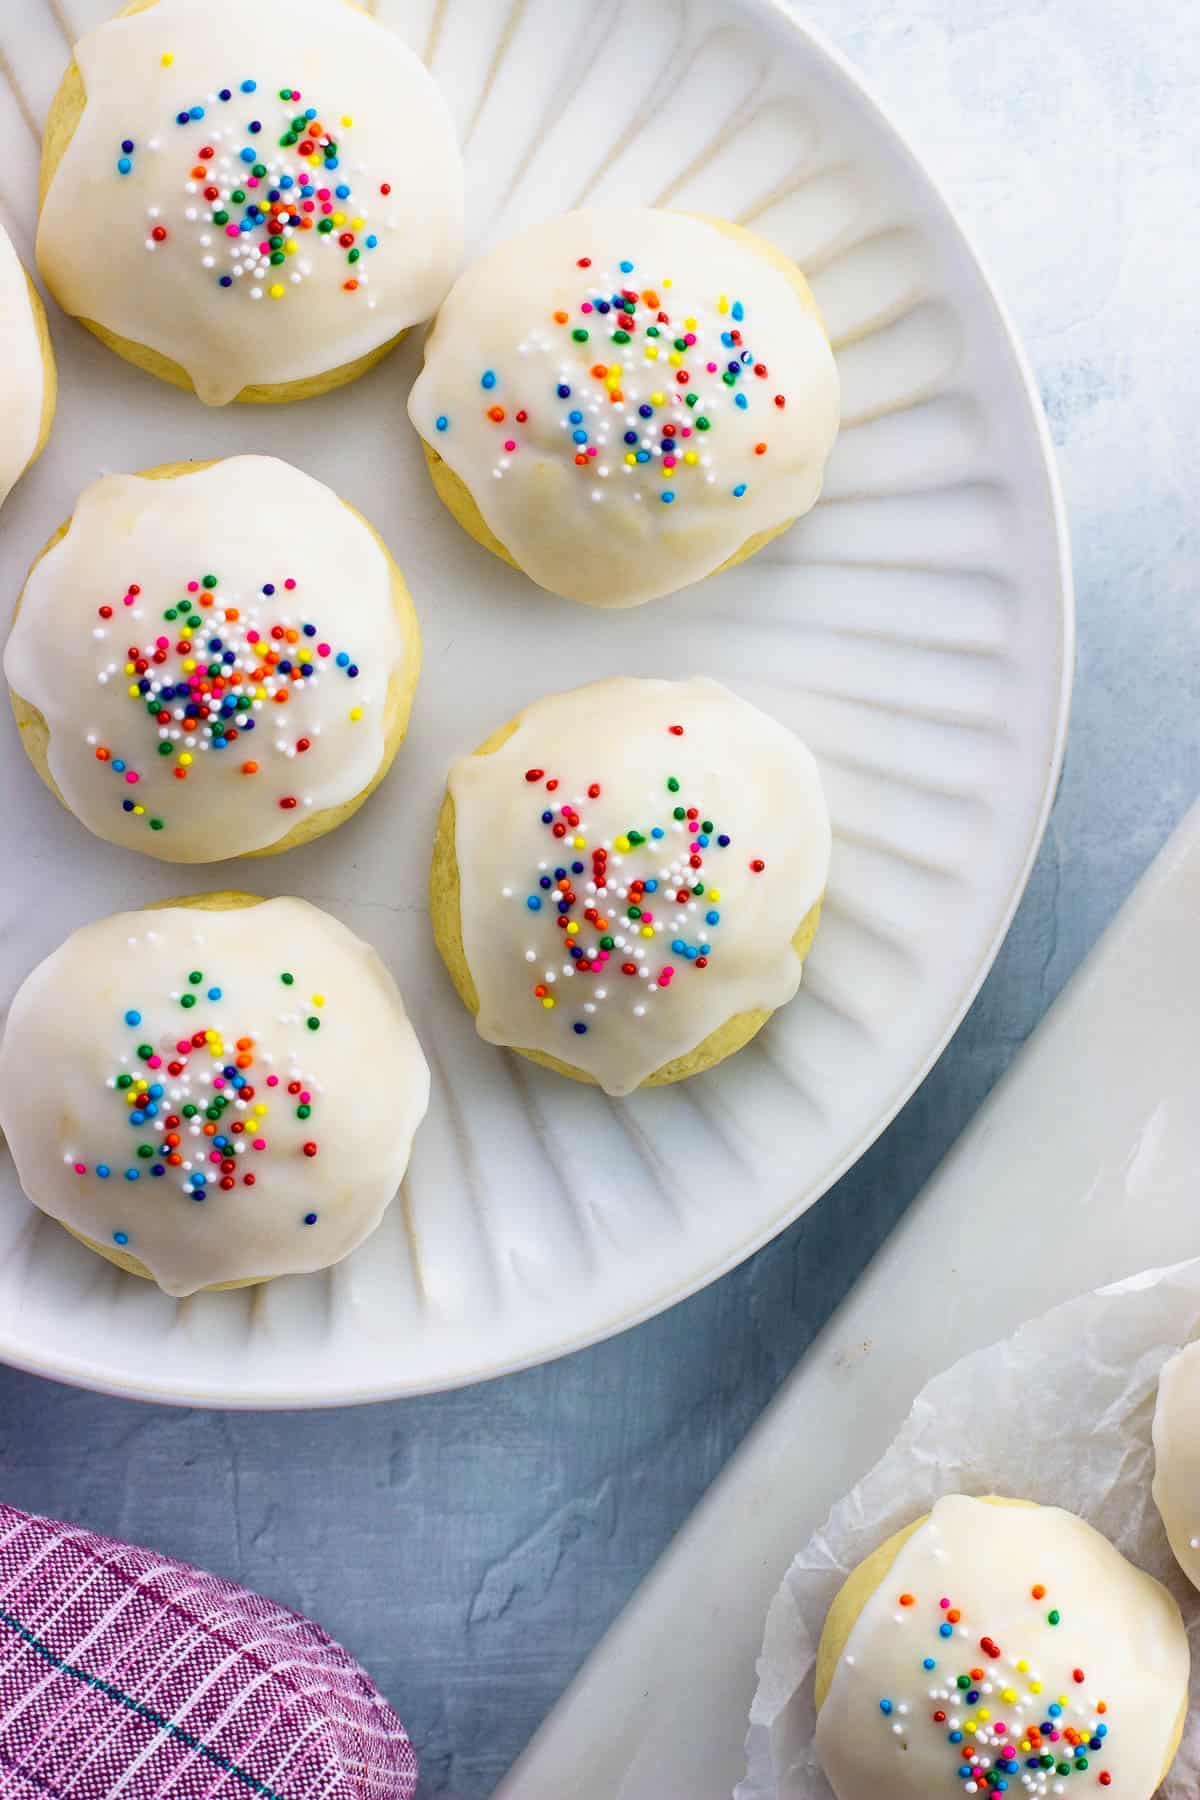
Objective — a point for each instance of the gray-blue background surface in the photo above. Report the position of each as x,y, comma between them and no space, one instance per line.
472,1547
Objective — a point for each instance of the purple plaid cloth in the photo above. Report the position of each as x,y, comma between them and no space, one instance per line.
125,1676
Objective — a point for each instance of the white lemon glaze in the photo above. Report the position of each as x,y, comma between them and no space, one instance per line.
115,989
743,773
1177,1457
254,522
1118,1645
570,499
24,388
96,238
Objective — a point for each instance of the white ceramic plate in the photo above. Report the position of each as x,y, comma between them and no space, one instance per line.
916,629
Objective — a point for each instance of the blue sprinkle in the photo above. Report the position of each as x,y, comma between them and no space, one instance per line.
712,918
137,1116
183,118
577,868
1055,1710
575,417
737,311
488,378
626,268
248,87
286,181
310,1218
342,191
248,155
127,806
954,1737
885,1706
225,94
534,903
727,339
158,1169
103,1171
120,1237
643,456
739,490
679,947
563,391
666,496
972,1696
256,125
310,631
691,953
156,1090
741,400
579,436
342,660
214,993
132,1174
603,306
196,112
133,1017
546,883
631,437
945,1631
645,411
702,840
1102,1731
352,671
123,165
723,840
442,422
310,112
371,241
331,162
118,765
929,1662
657,831
706,949
746,359
547,818
652,887
580,1029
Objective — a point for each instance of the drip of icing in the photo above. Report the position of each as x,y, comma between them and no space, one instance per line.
261,193
1177,1457
212,655
1007,1649
25,376
221,1094
629,395
634,863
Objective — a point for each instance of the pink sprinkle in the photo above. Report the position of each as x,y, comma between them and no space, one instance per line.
81,1168
586,307
218,1081
252,181
214,1156
131,775
289,584
685,431
260,1143
711,367
129,599
322,649
668,462
944,1604
305,1099
327,208
272,1081
264,249
310,206
232,231
664,979
592,450
510,443
647,918
689,337
323,194
183,1046
154,1062
252,637
163,643
193,587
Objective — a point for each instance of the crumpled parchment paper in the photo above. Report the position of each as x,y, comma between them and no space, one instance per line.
1061,1413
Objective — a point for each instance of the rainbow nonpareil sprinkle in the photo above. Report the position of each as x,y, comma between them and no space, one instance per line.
207,1106
1009,1721
267,200
640,908
668,376
206,682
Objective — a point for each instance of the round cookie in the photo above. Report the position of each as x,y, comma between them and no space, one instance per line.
30,378
626,879
996,1645
1177,1457
213,660
621,401
213,1092
254,201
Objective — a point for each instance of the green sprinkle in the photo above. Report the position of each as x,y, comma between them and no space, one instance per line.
156,824
679,813
187,999
964,1681
702,423
194,622
620,337
287,980
275,258
164,749
302,1112
580,335
681,343
221,217
693,399
706,824
652,331
190,1111
124,1081
313,1023
607,943
326,225
145,1150
672,785
1064,1768
237,196
145,1050
353,256
729,378
260,170
634,912
196,977
170,613
1053,1618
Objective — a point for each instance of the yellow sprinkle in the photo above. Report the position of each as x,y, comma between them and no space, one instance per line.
984,1714
547,1003
613,379
277,291
357,224
722,305
318,999
129,668
1064,1700
969,1726
261,1109
346,119
132,691
139,810
675,358
689,324
621,843
1009,1695
289,249
647,931
339,218
1022,1667
356,713
1025,1744
189,665
1035,1687
658,399
689,456
714,893
651,353
259,693
185,758
668,282
131,1097
167,59
630,458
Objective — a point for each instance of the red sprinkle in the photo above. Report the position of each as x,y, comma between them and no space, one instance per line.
534,774
288,802
758,865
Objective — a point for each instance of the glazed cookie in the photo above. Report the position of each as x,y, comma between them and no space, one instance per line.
993,1646
254,201
214,1092
622,400
30,378
1177,1457
213,660
627,878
